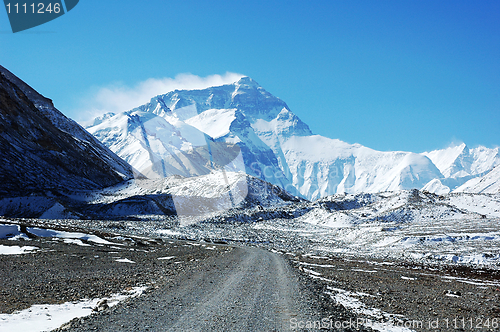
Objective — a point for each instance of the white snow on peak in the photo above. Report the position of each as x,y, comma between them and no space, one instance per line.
243,85
214,122
443,159
98,120
435,186
183,113
322,166
461,161
319,148
163,137
247,82
146,140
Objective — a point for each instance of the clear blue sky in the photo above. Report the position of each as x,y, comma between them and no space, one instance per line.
391,75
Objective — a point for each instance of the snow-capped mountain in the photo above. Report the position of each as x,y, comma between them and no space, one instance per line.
460,164
459,161
185,132
322,166
489,183
44,151
174,134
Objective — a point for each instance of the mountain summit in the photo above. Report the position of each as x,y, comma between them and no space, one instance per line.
173,133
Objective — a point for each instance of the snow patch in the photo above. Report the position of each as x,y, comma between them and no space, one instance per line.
68,235
46,317
166,258
124,260
9,231
214,122
16,250
435,186
377,319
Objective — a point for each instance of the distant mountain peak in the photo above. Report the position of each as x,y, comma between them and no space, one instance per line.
247,81
98,120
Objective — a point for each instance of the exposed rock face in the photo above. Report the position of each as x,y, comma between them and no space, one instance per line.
41,150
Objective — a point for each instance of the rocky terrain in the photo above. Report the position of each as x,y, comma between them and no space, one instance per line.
45,153
389,241
380,294
412,297
180,279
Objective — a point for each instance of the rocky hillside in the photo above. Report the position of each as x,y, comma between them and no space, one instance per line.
42,151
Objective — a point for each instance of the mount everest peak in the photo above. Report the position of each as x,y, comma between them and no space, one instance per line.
174,133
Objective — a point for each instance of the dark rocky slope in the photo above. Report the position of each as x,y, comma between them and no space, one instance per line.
42,151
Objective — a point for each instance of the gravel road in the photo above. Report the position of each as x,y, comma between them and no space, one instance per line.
201,286
244,289
191,286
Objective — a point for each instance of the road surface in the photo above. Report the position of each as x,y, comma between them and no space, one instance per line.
244,289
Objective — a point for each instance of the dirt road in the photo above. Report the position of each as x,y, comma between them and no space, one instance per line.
245,289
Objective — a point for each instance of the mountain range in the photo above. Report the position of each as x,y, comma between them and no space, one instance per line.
209,157
237,127
182,131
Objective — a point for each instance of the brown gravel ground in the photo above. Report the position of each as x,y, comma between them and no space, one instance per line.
440,299
60,272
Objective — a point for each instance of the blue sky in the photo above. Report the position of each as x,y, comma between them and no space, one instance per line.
391,75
